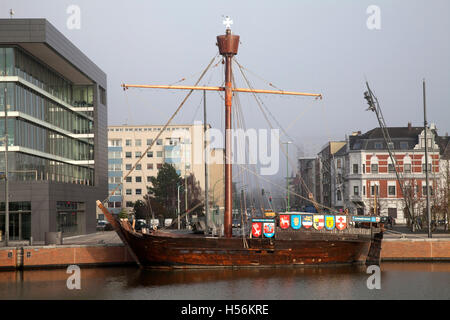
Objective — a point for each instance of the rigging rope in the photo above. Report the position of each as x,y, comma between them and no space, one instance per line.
163,129
271,126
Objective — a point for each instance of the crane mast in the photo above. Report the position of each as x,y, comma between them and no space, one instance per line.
374,106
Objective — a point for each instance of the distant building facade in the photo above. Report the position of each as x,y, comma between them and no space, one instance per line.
306,180
348,174
328,172
55,98
180,145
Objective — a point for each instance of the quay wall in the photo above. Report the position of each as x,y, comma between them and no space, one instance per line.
415,250
30,257
64,255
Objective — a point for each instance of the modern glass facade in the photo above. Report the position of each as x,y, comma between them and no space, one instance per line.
53,103
50,124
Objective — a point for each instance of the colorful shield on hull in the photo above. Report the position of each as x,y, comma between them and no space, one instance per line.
284,221
256,229
329,222
319,222
307,221
269,229
296,221
341,222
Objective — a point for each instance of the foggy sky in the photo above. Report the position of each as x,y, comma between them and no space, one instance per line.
310,46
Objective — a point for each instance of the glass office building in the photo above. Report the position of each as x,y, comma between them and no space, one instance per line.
53,105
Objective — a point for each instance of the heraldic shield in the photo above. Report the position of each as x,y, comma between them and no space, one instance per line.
284,221
256,229
296,221
269,229
341,222
329,222
319,222
307,220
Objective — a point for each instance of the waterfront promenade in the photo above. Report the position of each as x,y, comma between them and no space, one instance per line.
106,248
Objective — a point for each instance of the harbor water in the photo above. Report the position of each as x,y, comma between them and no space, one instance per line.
398,280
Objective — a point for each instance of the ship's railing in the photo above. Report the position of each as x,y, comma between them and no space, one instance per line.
348,230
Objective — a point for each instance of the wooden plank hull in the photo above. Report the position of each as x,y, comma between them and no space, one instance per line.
289,248
161,249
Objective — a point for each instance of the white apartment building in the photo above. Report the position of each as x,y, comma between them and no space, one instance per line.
180,145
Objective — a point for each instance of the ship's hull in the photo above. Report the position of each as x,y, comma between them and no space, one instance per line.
288,248
173,250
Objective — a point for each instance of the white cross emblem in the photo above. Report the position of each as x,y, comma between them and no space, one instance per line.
227,22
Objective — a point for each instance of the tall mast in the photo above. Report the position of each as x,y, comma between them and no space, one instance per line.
206,165
228,46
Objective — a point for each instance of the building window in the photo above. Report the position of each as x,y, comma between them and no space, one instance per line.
149,179
364,190
356,190
159,142
138,167
403,145
138,154
114,142
391,168
128,191
102,96
128,166
158,165
424,166
338,163
378,145
149,166
407,167
137,142
114,154
424,190
374,168
364,168
128,142
159,154
149,142
138,191
128,154
374,189
129,204
391,190
150,154
392,212
338,195
128,179
355,168
138,179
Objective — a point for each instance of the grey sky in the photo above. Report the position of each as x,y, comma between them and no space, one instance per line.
315,46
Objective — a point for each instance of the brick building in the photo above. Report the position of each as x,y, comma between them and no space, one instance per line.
368,169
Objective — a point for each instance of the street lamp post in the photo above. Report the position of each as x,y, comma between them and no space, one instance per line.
6,174
178,191
287,175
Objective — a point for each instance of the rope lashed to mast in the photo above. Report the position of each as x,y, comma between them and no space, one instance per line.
163,129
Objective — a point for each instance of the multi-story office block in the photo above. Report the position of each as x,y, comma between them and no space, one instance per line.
53,99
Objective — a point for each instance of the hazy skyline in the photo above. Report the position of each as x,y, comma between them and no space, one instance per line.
311,46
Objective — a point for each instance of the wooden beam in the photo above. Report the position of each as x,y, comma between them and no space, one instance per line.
317,95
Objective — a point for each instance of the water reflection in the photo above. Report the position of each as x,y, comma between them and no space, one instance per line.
398,281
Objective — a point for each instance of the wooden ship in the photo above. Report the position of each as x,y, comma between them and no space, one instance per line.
282,247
